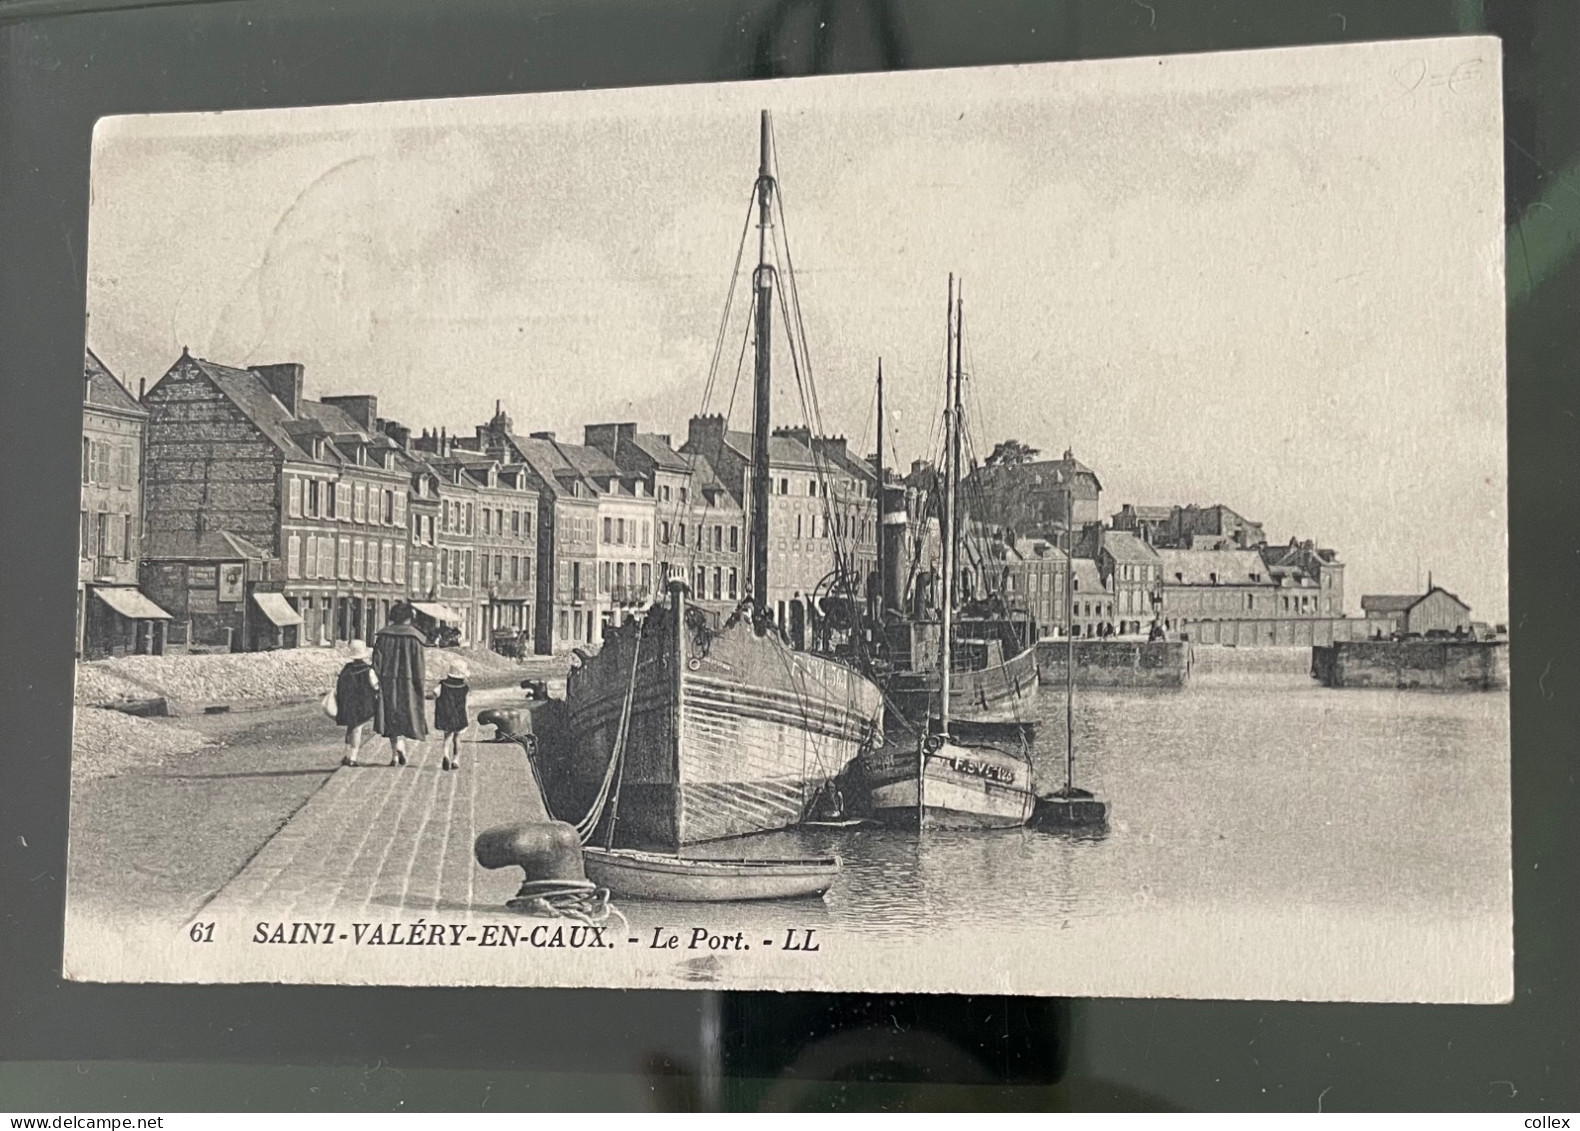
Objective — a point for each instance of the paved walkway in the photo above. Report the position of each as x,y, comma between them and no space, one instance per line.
379,842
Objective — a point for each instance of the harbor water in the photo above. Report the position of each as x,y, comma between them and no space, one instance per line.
1247,797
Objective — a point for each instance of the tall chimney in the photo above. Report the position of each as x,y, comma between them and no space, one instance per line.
284,380
893,524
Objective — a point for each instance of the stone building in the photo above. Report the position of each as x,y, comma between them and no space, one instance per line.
1312,579
1190,527
1091,597
1230,584
1035,574
1133,572
272,520
114,617
1035,498
821,508
506,548
699,526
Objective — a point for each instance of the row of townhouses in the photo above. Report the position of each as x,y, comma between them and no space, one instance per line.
224,509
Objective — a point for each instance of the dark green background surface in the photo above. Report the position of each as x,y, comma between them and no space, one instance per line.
148,1048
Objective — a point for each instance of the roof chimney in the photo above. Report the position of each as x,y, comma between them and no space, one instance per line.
284,380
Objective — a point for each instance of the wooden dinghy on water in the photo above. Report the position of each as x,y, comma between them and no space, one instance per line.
629,874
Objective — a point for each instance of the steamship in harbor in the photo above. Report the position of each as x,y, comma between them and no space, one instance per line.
689,725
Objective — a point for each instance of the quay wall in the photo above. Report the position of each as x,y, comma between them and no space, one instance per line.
1278,632
1117,663
1442,665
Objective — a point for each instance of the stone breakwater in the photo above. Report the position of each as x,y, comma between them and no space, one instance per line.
1438,665
1117,663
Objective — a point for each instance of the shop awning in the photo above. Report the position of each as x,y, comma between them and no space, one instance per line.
277,609
130,603
434,611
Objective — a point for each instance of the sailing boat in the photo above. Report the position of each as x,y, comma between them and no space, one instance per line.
1069,807
993,671
688,730
942,781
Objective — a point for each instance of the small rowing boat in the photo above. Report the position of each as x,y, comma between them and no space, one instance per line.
630,874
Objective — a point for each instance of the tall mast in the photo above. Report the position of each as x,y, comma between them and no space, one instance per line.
957,521
1069,637
763,283
877,527
946,646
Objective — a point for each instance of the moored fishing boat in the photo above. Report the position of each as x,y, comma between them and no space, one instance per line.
690,727
936,777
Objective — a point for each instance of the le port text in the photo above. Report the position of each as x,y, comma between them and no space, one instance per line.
544,936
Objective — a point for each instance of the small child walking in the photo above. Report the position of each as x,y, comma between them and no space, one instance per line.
449,713
357,701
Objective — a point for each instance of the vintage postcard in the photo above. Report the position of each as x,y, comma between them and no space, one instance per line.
1032,530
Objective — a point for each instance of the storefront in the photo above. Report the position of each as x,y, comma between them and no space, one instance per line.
122,622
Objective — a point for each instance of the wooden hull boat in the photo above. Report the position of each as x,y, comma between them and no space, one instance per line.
731,732
629,874
986,691
961,786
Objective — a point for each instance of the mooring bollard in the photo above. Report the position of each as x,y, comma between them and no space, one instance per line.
510,724
549,854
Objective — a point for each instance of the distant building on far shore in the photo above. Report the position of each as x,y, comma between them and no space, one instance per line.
1436,610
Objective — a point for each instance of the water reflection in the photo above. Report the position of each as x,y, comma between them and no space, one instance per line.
1238,792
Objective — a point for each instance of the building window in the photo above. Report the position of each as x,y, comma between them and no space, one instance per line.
1250,601
784,486
310,557
488,520
647,533
718,538
515,568
293,551
702,582
99,458
718,583
608,531
663,533
343,559
734,584
685,495
647,575
735,539
619,531
603,575
681,534
294,497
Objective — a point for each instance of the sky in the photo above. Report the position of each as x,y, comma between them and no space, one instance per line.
1268,279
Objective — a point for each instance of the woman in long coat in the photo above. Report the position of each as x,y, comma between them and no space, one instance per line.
397,658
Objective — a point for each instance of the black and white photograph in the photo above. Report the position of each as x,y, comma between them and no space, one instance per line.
1028,530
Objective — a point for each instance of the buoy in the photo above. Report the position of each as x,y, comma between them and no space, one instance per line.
1069,809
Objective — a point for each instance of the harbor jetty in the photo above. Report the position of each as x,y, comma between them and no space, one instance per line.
1116,663
1441,665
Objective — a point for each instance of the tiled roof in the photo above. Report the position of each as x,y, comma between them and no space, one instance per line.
1213,567
1087,577
248,392
666,457
1123,546
101,388
782,450
1389,602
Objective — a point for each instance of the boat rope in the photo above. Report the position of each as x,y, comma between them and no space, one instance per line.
591,907
585,827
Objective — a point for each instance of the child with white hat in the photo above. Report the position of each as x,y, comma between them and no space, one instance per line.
356,699
449,713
